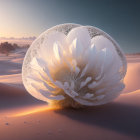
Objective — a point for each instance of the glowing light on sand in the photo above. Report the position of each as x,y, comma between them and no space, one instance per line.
32,110
74,65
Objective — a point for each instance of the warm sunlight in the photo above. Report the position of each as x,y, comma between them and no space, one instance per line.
32,110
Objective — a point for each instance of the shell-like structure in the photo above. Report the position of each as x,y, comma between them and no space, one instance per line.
74,65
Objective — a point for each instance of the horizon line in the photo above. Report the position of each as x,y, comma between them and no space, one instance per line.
28,37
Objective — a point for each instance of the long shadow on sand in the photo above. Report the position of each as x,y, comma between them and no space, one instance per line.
119,117
12,97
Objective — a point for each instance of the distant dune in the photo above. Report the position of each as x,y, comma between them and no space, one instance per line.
20,41
22,117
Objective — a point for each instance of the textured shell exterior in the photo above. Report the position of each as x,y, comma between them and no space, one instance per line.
74,65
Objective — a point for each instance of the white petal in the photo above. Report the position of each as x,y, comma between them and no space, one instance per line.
43,76
49,87
45,92
100,97
92,85
74,63
34,78
83,101
111,80
41,62
84,71
119,87
100,63
77,70
78,49
34,64
99,91
102,42
72,47
88,79
95,84
72,85
49,96
108,57
91,52
68,92
66,85
81,34
59,84
35,87
90,57
46,70
57,97
57,51
47,46
88,95
74,93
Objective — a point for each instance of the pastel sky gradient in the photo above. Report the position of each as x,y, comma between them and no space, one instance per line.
119,18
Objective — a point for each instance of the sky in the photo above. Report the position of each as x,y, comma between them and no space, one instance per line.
118,18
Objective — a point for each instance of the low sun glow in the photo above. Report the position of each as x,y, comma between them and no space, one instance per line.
33,110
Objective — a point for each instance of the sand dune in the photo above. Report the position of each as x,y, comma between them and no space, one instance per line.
132,78
11,79
23,117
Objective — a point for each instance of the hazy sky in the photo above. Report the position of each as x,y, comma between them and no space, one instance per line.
119,18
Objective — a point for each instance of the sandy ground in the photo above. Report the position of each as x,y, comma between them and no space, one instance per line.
22,117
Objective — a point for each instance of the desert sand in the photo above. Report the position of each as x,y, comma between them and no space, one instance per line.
22,117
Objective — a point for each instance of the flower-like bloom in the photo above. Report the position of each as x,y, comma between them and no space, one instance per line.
75,70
